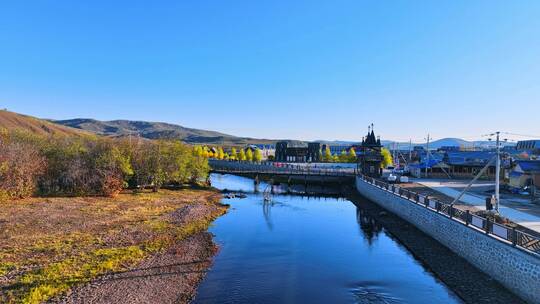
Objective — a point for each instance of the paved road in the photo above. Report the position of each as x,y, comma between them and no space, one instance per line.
520,211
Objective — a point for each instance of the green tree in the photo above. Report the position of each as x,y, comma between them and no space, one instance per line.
257,156
387,158
249,155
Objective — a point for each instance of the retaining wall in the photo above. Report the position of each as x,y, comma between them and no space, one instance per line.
516,269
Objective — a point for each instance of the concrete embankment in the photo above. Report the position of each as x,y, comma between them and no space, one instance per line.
517,270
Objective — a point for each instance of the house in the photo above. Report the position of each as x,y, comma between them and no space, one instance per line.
525,173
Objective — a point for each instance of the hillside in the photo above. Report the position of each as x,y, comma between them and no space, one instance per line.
157,130
15,121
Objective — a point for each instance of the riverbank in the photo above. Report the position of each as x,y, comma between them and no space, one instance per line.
134,248
468,282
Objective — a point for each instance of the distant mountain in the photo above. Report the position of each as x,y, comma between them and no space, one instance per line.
338,142
15,121
444,142
157,130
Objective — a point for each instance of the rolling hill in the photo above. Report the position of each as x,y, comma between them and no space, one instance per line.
157,130
14,121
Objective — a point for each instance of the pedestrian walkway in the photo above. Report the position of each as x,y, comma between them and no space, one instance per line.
506,208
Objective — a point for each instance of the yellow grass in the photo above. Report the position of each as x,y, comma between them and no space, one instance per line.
49,245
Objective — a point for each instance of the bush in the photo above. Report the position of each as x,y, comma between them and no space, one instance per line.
20,166
93,166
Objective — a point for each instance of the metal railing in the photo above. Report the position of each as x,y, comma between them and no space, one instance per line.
278,168
510,235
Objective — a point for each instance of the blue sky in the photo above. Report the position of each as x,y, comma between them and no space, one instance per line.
279,69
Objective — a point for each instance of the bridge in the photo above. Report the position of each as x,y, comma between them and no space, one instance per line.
287,172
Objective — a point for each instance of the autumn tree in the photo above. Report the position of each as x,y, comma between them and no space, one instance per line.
242,155
343,157
352,155
387,158
257,156
220,153
327,154
233,154
249,155
21,164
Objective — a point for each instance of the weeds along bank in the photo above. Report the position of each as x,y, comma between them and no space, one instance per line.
92,165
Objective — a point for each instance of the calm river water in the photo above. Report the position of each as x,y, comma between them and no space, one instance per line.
309,250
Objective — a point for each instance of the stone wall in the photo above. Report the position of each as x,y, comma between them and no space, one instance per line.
516,269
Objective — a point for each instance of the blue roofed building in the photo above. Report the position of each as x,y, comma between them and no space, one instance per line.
526,173
467,164
455,164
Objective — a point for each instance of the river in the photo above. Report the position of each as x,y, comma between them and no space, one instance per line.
309,250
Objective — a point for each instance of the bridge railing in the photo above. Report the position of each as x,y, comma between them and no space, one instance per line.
509,235
278,168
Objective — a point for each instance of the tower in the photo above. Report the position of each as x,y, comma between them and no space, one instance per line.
370,156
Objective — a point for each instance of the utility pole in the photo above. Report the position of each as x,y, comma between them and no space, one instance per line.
396,152
497,173
427,154
410,150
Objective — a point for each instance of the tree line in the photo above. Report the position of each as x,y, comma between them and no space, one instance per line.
344,157
31,164
254,155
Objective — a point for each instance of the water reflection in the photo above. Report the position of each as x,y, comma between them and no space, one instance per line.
369,227
267,208
307,250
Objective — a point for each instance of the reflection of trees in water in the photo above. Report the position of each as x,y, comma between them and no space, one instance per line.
369,227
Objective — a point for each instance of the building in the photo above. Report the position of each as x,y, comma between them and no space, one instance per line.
528,145
299,154
526,173
467,164
435,166
455,164
370,157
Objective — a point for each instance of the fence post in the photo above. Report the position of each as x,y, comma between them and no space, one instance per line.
487,225
438,206
514,236
451,211
467,217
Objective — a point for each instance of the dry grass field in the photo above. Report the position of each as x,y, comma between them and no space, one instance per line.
49,245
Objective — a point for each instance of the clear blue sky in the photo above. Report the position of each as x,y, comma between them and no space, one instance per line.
278,69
